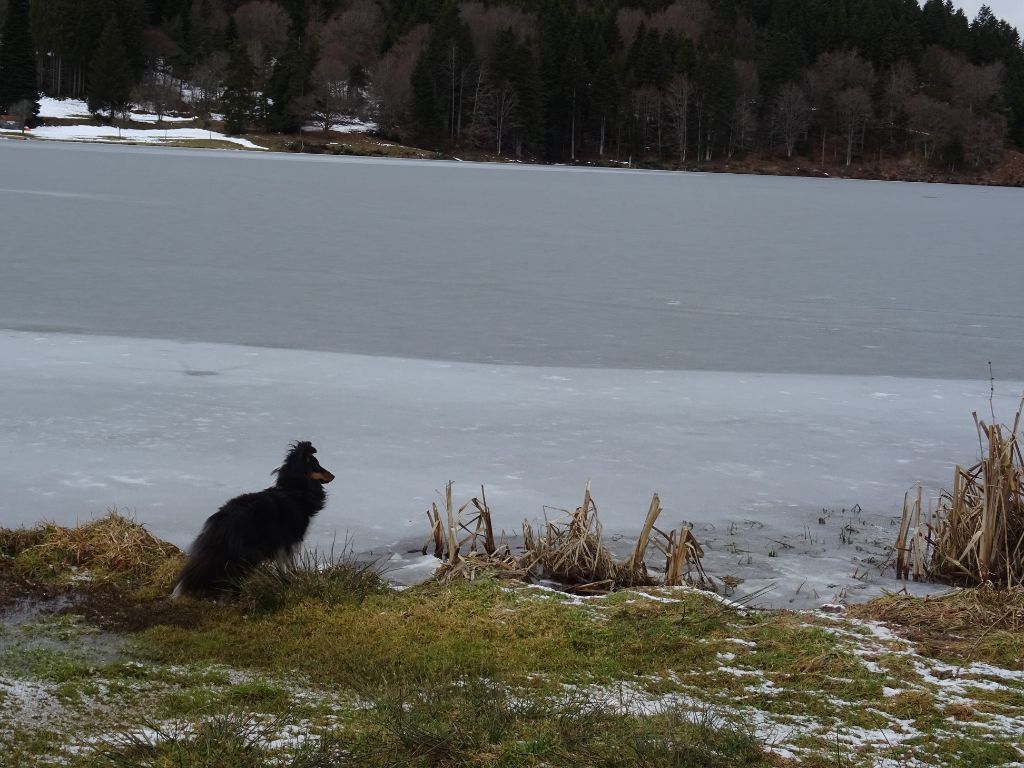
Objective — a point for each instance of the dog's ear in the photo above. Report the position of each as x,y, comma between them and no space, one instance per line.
303,448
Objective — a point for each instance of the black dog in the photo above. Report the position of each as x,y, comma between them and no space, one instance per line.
254,527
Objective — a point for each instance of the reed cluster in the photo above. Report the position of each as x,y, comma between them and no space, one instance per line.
568,550
974,533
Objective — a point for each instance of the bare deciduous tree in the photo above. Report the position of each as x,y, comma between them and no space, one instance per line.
329,92
899,87
983,139
158,47
844,69
391,87
263,29
628,21
485,22
928,122
156,92
790,115
684,17
207,82
744,115
504,102
647,114
853,108
973,87
677,107
352,37
832,74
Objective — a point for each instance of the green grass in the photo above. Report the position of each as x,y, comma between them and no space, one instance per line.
45,664
328,666
203,144
477,629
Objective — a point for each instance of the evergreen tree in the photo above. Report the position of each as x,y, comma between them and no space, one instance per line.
132,23
559,74
110,73
18,60
238,99
289,88
531,110
427,121
186,37
783,61
451,53
559,81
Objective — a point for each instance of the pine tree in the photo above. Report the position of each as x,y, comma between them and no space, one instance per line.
238,100
289,88
17,60
110,73
426,108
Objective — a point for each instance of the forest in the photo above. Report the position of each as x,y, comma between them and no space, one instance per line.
672,83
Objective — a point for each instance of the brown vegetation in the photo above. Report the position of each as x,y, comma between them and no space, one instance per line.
569,551
110,548
976,533
985,623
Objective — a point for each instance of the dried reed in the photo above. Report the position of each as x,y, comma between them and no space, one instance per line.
568,550
975,534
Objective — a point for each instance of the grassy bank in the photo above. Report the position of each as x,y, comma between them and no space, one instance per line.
331,667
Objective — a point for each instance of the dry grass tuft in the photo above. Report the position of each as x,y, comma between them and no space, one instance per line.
16,540
976,533
111,546
568,550
985,623
963,610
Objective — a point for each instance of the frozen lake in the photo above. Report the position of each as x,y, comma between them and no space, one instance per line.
506,264
756,349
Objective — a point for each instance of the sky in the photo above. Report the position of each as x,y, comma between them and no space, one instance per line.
1008,10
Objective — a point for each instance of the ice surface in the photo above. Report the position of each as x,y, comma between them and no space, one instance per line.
511,264
170,430
767,354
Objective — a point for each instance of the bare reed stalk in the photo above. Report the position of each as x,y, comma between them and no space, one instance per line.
569,551
976,534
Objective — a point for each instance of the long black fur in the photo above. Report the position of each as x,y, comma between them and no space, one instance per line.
254,527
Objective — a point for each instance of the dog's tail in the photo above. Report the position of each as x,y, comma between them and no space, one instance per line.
208,570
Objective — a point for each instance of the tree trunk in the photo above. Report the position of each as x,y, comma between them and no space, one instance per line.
572,128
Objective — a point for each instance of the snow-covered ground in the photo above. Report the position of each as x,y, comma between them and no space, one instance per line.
345,125
63,109
109,133
767,354
69,109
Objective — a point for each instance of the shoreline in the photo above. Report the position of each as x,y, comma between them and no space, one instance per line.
369,146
